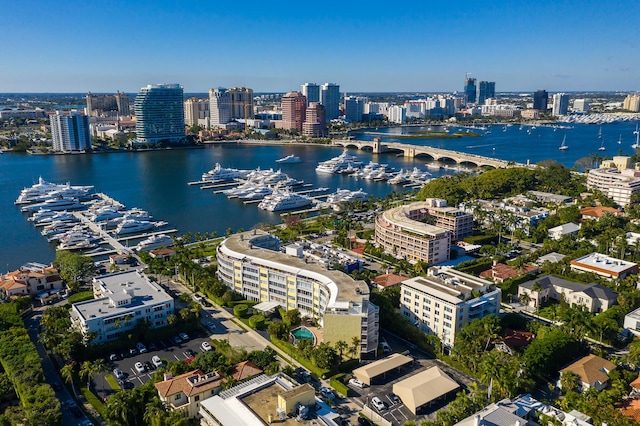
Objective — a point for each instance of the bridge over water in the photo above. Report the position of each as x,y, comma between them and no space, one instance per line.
434,154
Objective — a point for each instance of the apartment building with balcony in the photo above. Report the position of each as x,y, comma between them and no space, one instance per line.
446,300
251,264
120,301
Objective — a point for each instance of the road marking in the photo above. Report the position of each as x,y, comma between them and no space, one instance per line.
176,357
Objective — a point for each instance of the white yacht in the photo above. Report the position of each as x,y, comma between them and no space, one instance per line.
78,241
154,242
339,163
56,228
41,214
347,196
257,194
40,190
55,204
283,200
62,216
133,226
105,213
220,174
418,175
400,178
289,159
240,190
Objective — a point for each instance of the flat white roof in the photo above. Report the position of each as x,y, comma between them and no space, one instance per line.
602,261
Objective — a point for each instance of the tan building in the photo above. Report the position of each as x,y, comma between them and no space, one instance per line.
315,124
592,370
251,264
402,232
619,185
184,393
446,300
425,388
196,111
31,279
303,395
632,103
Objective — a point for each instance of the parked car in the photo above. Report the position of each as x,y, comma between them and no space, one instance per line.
133,351
385,347
190,353
139,367
393,397
148,366
327,393
184,336
177,340
378,404
126,385
357,383
141,348
113,357
156,361
211,325
56,386
364,422
206,346
118,373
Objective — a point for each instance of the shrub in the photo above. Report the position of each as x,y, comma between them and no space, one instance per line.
257,322
80,297
240,311
337,383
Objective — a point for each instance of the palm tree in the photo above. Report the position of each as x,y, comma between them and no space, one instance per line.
354,349
67,374
86,370
100,367
341,346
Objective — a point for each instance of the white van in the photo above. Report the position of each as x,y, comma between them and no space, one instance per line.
156,361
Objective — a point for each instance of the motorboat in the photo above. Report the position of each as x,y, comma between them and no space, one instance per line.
63,232
283,200
257,194
56,228
133,226
154,242
79,242
339,163
39,192
106,213
41,214
55,204
400,178
240,190
347,196
221,174
289,159
637,133
62,216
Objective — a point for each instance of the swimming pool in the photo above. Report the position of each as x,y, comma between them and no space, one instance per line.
302,333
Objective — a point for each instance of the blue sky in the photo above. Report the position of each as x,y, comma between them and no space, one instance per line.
274,46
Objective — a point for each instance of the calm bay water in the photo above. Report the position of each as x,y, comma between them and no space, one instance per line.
157,181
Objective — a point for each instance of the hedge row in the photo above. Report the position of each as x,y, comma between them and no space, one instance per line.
337,383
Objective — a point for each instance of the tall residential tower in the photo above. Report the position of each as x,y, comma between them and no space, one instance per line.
469,90
311,91
159,110
560,104
330,98
486,90
70,132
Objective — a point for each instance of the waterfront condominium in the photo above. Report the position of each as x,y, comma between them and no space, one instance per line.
241,103
159,110
353,108
107,105
403,232
540,100
196,111
219,106
315,123
311,91
294,111
469,90
120,301
330,98
446,300
251,264
486,90
560,104
70,132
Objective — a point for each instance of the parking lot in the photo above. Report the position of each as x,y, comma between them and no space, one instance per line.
166,349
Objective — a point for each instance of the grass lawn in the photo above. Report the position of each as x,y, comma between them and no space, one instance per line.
93,400
112,382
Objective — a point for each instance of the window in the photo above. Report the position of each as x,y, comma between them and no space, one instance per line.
178,396
197,398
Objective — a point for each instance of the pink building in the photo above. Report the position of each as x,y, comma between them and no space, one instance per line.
315,125
294,108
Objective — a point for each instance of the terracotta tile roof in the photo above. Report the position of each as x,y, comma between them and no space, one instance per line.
598,211
590,369
188,383
635,383
503,272
244,370
162,251
631,408
388,280
516,338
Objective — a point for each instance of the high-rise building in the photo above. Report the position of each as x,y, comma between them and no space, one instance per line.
107,105
241,103
311,91
486,90
70,132
560,104
353,108
581,105
220,106
397,114
294,109
159,110
315,123
196,111
330,98
469,90
540,99
632,103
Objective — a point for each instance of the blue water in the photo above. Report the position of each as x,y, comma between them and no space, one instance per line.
302,333
157,181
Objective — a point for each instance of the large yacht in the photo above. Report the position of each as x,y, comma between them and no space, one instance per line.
78,242
257,194
220,174
133,226
283,200
62,216
154,242
105,213
56,204
40,190
339,163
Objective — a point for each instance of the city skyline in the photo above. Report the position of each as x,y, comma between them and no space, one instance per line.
572,46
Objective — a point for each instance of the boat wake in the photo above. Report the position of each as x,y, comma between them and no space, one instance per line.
478,146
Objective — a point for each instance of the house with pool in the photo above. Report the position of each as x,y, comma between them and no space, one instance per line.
251,264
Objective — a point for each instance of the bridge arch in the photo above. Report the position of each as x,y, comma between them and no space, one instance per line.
469,163
425,156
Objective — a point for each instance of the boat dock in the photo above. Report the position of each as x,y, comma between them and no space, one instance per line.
117,245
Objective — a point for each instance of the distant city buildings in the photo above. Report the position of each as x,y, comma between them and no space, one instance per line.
560,104
241,103
107,105
159,111
330,98
294,111
581,105
219,107
315,124
397,114
540,100
353,108
196,112
311,91
632,103
486,90
70,132
469,90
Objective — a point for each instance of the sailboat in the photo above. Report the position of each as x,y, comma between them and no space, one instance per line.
563,146
637,144
602,148
600,133
620,139
505,129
